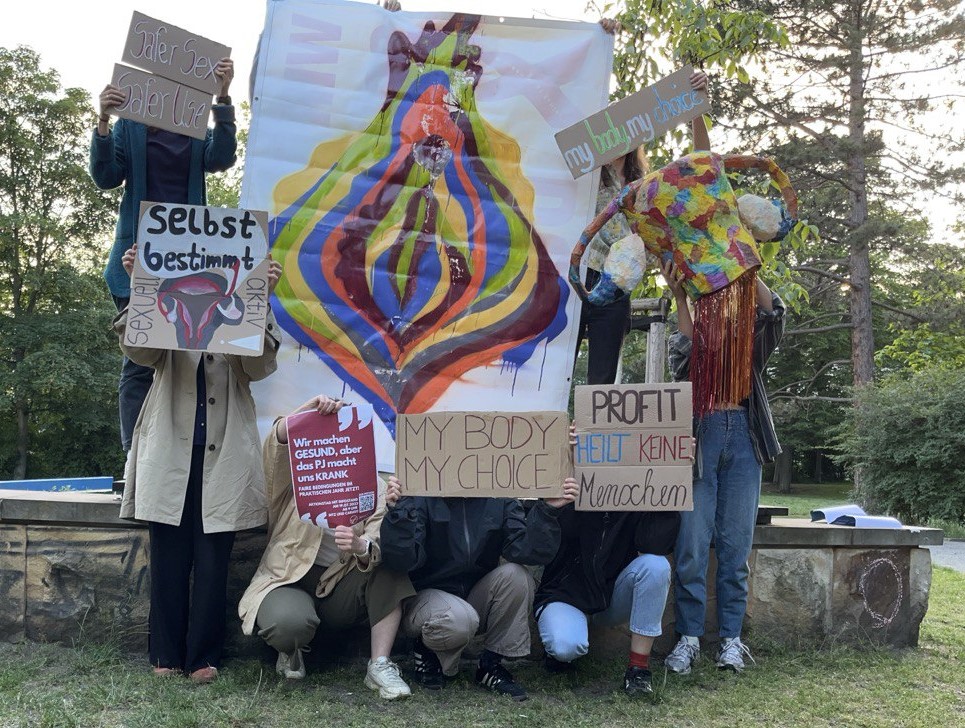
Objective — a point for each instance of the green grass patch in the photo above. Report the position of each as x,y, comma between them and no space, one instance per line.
48,685
804,498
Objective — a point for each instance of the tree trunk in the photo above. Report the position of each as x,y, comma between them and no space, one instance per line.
862,333
859,263
23,441
782,471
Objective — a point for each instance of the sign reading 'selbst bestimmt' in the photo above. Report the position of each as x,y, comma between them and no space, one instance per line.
634,447
200,279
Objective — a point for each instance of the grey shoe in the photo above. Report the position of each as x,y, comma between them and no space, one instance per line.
682,657
732,653
291,667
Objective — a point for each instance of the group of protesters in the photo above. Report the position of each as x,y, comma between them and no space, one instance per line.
440,570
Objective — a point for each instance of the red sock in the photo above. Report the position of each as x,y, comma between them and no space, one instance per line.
639,660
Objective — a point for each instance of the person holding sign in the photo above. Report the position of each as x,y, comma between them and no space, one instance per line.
157,166
611,568
732,443
194,475
451,549
311,577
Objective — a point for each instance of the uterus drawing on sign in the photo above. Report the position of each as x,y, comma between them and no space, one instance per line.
198,304
409,252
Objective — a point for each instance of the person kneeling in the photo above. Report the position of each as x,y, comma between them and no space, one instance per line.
611,568
451,548
311,577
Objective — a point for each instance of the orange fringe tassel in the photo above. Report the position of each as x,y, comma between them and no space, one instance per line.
720,365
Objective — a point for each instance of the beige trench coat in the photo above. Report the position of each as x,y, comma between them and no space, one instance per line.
293,543
233,484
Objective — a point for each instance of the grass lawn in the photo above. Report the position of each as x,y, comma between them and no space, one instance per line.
46,685
805,497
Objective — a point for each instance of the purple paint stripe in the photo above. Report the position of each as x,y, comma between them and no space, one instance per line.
326,30
322,55
306,76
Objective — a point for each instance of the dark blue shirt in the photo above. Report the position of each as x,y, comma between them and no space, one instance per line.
168,165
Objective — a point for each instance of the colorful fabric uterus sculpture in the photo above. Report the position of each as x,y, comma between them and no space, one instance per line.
687,213
409,253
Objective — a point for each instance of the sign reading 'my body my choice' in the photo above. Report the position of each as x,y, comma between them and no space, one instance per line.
174,88
200,279
631,122
634,447
483,454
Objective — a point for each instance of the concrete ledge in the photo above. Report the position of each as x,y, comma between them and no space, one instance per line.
802,533
97,510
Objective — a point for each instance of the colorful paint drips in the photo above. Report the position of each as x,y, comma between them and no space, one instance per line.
409,253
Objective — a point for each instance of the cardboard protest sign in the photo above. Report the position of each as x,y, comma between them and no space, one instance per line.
634,447
157,101
333,466
200,279
483,454
174,53
631,122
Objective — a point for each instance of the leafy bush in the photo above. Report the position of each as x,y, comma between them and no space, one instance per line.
908,439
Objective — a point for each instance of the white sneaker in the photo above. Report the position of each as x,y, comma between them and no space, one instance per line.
383,675
291,667
683,656
732,653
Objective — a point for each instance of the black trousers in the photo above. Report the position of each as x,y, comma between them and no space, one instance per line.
605,327
188,624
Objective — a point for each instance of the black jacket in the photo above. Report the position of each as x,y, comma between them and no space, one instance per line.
451,543
595,547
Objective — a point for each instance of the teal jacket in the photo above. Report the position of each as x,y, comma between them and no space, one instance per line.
121,158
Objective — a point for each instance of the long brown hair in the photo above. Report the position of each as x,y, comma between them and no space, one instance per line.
635,165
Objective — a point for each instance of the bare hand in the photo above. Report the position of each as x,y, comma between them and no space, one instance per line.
392,6
225,71
698,81
348,541
610,26
572,434
274,273
128,259
674,278
570,491
325,405
111,97
393,492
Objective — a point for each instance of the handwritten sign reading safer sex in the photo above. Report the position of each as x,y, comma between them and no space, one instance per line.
483,454
174,53
631,122
634,447
200,279
332,459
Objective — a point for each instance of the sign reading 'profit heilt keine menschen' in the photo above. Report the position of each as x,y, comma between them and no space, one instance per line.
634,447
200,279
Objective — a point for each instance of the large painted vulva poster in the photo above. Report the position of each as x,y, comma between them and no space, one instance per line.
419,205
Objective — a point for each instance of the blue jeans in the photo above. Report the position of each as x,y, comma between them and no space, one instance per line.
639,596
725,511
132,389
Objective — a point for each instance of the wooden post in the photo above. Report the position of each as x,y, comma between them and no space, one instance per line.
657,345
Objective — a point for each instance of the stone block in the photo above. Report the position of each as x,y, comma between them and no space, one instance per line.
791,595
880,595
86,582
13,557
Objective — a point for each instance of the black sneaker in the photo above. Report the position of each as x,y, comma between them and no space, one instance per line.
493,676
556,667
428,669
638,681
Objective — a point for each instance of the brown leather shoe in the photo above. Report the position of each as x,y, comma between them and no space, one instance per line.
166,671
204,675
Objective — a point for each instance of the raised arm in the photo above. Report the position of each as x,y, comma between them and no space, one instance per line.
765,164
594,227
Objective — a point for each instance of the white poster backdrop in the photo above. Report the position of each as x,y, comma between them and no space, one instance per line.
323,82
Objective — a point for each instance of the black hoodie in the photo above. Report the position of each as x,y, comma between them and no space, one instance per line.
595,547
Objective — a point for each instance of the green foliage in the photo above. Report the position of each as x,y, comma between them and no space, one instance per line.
58,363
224,189
908,436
